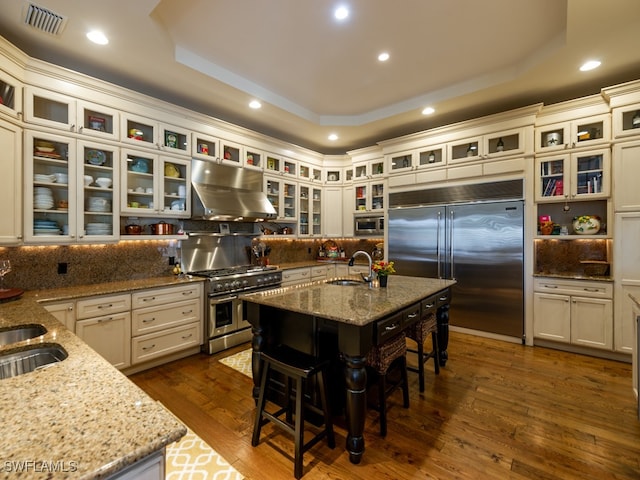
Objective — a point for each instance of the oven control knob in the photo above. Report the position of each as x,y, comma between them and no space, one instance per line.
245,283
227,286
218,286
259,280
235,284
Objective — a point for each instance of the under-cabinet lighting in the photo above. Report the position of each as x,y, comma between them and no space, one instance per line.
590,65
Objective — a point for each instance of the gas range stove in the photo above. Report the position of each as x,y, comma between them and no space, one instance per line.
239,279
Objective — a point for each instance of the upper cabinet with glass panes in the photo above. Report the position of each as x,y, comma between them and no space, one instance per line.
10,95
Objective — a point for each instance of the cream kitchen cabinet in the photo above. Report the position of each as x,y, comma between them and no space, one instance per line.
489,146
626,158
11,183
278,165
205,147
369,169
573,311
587,132
626,121
139,131
166,321
310,222
104,323
10,96
283,195
294,276
334,217
153,185
575,176
370,196
309,173
231,153
55,110
65,312
254,158
62,202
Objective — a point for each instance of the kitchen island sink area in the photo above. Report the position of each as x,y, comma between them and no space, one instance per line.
340,324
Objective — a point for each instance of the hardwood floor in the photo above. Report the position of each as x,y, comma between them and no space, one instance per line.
497,410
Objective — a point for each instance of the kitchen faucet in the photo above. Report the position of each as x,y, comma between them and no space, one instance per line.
369,278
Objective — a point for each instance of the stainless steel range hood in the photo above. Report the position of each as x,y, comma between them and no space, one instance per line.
221,192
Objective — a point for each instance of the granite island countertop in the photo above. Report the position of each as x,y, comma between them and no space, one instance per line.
357,305
81,416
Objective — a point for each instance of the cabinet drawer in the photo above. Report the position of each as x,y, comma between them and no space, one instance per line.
319,272
410,315
443,298
388,327
429,306
298,275
152,319
99,306
162,296
162,343
575,287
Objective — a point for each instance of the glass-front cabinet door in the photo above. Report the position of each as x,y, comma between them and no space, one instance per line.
140,131
401,162
154,186
175,139
369,196
10,95
98,217
50,109
432,156
231,153
576,176
310,211
253,158
98,121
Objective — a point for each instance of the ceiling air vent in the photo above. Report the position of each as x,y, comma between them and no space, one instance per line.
44,20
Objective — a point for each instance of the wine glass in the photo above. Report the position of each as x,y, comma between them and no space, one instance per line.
5,267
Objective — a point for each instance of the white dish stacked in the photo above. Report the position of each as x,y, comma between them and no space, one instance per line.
39,177
45,227
98,228
42,198
98,204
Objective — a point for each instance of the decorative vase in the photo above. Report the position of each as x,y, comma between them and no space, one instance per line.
383,280
586,225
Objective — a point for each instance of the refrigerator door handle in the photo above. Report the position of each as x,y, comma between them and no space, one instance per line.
438,257
451,263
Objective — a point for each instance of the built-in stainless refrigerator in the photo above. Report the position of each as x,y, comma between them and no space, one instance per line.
477,243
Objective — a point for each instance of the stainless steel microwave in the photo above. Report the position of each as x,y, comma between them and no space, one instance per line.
369,226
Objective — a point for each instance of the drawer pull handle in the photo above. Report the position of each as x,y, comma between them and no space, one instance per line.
412,315
149,348
550,286
187,293
105,306
586,289
105,319
391,327
149,299
147,320
187,336
443,298
187,312
430,305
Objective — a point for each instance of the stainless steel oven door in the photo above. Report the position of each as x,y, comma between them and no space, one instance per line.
225,315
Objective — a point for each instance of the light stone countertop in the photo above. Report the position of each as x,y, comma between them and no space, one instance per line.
80,416
357,305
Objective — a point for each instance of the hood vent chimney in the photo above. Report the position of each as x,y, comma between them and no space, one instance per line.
44,20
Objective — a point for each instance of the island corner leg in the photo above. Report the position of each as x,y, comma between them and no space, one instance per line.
257,342
356,405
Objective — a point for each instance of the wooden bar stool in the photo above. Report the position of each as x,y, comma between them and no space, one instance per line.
419,332
299,367
380,359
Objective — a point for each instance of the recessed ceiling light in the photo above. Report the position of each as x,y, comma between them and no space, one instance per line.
590,65
333,137
383,57
341,12
255,104
96,36
428,110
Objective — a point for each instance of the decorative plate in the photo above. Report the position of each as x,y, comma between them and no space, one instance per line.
96,157
140,165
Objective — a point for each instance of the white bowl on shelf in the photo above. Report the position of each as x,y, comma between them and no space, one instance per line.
88,180
104,182
61,177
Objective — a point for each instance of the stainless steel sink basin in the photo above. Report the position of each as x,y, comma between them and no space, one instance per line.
345,282
19,333
20,361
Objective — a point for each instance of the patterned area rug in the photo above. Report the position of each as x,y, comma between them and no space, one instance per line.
240,361
191,458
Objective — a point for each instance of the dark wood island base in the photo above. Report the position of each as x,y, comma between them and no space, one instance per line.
342,323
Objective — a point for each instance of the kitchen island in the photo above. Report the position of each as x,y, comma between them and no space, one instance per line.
80,417
341,323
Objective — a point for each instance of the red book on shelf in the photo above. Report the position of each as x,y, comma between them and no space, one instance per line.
559,189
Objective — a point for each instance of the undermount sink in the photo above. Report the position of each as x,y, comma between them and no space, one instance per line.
19,333
345,282
19,362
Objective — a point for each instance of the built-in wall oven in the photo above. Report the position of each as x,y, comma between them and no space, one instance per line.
225,262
